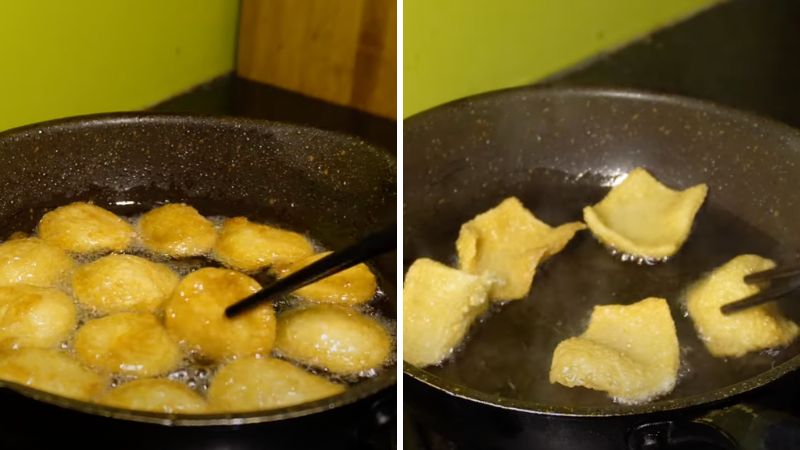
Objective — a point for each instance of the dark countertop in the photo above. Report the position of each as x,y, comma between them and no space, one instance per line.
233,96
742,53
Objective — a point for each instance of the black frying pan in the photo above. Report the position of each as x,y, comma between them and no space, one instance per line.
334,187
559,150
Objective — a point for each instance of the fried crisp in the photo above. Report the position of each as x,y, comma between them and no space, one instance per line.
127,343
631,352
439,305
34,262
177,230
507,243
85,228
353,286
51,371
118,283
156,395
335,338
249,246
195,314
753,329
33,316
251,384
642,217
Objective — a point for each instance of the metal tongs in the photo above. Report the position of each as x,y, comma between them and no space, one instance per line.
789,281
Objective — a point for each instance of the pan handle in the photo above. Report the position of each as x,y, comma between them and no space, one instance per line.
679,435
738,427
755,427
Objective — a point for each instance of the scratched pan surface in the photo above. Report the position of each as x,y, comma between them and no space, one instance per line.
559,150
334,187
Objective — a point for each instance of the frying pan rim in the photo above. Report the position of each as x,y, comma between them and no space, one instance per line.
117,117
767,125
601,91
362,391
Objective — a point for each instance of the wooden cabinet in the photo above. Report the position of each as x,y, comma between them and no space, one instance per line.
342,51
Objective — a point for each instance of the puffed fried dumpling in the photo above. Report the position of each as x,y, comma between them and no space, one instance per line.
439,305
177,230
629,351
249,246
117,283
252,384
50,371
156,395
34,262
353,286
85,228
752,329
195,314
33,316
642,217
127,343
335,338
507,243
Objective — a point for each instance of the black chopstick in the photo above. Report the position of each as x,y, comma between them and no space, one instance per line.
773,274
371,246
762,297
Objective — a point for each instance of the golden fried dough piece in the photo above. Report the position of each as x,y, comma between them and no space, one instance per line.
630,351
439,305
195,314
177,230
251,384
507,243
155,395
249,246
335,338
117,283
642,217
353,286
33,316
85,228
127,343
749,330
32,261
50,371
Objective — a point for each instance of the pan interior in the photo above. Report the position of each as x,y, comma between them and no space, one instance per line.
559,151
331,187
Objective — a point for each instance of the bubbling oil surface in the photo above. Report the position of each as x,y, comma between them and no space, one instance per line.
508,354
195,371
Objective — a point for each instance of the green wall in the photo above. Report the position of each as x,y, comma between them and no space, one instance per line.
456,48
67,57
